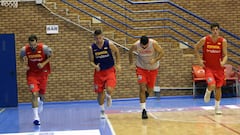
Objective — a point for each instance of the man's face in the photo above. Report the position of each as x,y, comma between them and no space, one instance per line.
33,43
215,31
143,46
99,39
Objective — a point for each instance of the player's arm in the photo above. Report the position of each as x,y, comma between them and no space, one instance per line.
115,50
23,58
130,53
91,59
197,47
159,50
225,55
49,53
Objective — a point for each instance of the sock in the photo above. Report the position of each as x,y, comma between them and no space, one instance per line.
35,114
217,103
102,107
143,105
208,92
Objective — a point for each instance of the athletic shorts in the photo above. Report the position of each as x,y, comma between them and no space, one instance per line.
37,82
215,77
147,77
104,78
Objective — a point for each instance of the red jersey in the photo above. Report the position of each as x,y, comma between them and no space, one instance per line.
212,52
35,57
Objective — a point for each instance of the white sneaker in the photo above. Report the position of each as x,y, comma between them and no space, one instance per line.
40,105
109,101
218,111
102,114
207,96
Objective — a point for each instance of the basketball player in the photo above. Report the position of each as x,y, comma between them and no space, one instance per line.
101,59
214,57
147,64
37,56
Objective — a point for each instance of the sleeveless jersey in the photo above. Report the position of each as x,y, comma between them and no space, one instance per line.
103,56
35,57
145,55
212,52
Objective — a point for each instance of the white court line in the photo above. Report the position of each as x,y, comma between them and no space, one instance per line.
154,116
2,110
74,132
110,126
208,107
232,106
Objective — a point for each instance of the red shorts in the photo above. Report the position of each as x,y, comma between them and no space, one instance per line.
147,77
104,78
215,77
37,82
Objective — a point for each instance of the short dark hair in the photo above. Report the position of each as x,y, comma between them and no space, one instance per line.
212,25
97,32
144,40
32,38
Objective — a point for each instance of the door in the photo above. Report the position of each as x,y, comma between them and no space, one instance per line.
8,81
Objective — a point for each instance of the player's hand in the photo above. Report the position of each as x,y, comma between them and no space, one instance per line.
40,65
118,68
201,63
132,67
26,67
221,63
152,61
98,67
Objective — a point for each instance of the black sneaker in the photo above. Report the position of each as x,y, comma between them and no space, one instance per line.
144,114
146,94
36,122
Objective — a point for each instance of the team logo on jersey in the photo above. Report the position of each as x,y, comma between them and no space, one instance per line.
105,48
39,51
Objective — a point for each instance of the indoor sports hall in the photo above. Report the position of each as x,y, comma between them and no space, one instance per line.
175,107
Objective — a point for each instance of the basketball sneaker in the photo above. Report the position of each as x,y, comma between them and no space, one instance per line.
218,111
102,114
207,96
144,114
36,122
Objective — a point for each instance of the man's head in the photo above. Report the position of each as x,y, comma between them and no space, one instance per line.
144,41
215,28
98,36
32,39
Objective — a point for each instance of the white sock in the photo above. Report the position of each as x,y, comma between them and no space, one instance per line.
35,114
102,107
209,92
217,103
143,105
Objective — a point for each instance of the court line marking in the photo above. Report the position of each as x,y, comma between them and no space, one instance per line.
2,110
72,132
110,126
222,124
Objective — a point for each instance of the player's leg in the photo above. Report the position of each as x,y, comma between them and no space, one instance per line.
33,86
142,90
42,91
211,84
36,118
99,89
220,81
110,84
218,95
100,98
152,77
